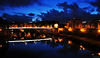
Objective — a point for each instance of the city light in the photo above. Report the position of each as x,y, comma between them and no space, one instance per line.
60,40
22,30
60,29
69,42
81,47
0,45
31,27
22,38
70,29
83,30
98,30
44,36
0,29
56,25
99,54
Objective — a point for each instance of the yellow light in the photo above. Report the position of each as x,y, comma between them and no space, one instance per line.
56,25
99,54
60,40
70,29
44,36
99,31
81,46
60,29
22,30
69,42
82,30
14,38
43,26
22,38
47,25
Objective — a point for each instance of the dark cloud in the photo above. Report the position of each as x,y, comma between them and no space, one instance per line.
89,9
31,14
19,13
16,18
70,11
96,4
17,3
73,6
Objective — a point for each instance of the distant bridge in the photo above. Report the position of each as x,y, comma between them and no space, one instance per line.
30,40
30,27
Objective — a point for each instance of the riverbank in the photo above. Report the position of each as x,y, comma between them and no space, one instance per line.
78,38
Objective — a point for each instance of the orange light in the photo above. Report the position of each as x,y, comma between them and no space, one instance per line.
70,29
56,40
99,31
60,29
22,30
43,26
69,42
44,36
0,29
15,35
82,30
99,54
35,26
56,25
0,45
60,40
22,38
28,35
81,46
48,26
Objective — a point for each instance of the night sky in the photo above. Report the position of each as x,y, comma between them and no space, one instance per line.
49,10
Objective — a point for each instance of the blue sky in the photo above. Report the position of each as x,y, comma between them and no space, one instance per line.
37,7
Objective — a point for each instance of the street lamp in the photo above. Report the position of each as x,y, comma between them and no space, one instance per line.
56,25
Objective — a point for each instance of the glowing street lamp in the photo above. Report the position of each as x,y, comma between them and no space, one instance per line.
56,25
99,54
0,29
70,29
82,30
69,42
98,30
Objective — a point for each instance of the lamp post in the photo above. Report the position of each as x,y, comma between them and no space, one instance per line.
56,25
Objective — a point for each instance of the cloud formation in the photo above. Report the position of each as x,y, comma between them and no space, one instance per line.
70,11
16,18
96,4
31,14
17,3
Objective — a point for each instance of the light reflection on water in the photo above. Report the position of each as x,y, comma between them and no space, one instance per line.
57,47
45,50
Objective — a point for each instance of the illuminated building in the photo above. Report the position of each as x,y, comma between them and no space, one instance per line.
75,23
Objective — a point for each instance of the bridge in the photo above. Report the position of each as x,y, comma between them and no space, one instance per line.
30,27
30,40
